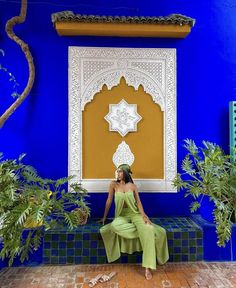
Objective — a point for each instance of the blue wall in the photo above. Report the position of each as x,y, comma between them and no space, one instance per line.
206,81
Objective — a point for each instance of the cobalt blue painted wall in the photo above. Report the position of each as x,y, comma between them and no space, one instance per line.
206,81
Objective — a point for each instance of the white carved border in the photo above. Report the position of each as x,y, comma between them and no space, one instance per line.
155,69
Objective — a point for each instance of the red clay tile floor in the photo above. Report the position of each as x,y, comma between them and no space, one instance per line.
170,275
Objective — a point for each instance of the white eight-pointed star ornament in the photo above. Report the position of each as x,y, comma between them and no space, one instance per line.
123,117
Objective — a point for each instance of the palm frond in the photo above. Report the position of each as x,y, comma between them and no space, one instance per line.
22,215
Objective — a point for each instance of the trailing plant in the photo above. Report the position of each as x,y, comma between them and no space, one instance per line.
30,204
11,78
209,172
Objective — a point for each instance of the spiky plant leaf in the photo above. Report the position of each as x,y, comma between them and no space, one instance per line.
194,206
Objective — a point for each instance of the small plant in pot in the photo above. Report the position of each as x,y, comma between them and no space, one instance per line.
209,172
30,204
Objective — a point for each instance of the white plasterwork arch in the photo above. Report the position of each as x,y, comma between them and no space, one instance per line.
132,77
153,68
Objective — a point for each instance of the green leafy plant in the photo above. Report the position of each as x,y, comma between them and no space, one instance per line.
209,172
30,204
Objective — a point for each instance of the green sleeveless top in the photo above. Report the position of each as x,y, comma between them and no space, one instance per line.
128,198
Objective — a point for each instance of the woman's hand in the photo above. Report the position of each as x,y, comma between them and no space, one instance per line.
146,219
102,221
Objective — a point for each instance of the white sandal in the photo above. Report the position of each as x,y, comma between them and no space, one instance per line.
94,280
106,278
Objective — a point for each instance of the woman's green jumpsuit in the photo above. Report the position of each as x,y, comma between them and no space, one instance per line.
128,233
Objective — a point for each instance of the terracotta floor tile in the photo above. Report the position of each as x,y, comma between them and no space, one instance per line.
79,279
171,275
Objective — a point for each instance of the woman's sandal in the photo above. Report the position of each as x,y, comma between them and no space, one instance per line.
106,278
148,274
94,280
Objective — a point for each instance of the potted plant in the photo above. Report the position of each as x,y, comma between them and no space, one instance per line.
209,172
30,204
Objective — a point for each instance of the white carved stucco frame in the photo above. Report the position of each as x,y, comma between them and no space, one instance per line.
153,68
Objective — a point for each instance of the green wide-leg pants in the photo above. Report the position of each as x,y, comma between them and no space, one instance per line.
128,233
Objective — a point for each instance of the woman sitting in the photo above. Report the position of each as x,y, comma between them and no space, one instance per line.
132,230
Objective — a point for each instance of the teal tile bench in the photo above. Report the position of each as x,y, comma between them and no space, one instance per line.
84,245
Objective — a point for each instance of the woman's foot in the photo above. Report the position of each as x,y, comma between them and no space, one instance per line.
148,274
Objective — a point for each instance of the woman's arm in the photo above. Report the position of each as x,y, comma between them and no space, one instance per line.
108,202
140,206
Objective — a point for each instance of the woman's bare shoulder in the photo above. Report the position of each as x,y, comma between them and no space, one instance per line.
133,186
113,184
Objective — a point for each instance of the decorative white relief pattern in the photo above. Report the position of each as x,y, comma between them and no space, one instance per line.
138,67
122,63
123,117
123,155
92,67
133,78
75,117
153,69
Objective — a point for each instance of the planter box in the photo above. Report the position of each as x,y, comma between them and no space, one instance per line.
212,252
206,210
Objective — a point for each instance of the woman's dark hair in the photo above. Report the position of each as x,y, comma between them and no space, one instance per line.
127,177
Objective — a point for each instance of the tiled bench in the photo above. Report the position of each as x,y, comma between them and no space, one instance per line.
85,246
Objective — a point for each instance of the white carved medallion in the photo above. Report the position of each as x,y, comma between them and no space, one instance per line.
123,117
155,69
123,155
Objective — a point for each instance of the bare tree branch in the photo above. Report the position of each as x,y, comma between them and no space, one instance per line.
9,30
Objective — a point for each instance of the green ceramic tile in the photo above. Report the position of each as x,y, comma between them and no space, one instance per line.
132,259
184,250
171,249
101,260
54,245
174,225
94,236
62,237
199,250
100,244
47,237
54,260
46,253
93,252
86,244
177,257
62,252
78,252
78,236
177,242
192,257
192,242
199,234
170,235
85,260
70,259
70,244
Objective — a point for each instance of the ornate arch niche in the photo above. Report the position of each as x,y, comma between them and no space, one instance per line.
155,69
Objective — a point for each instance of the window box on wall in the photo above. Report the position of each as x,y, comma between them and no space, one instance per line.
173,26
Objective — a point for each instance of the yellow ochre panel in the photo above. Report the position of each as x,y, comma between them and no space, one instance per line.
99,144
